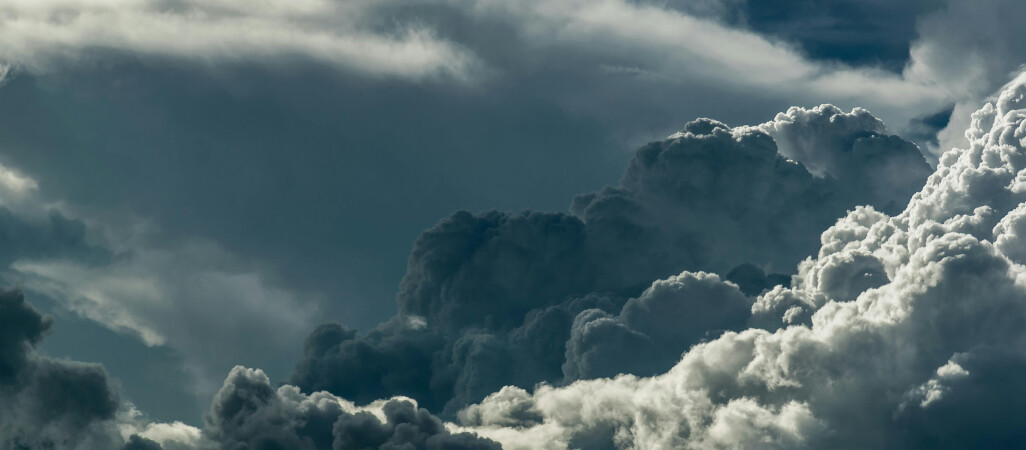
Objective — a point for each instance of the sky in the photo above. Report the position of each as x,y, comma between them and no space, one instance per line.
537,224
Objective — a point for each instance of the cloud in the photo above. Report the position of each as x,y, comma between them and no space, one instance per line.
901,324
248,413
854,148
655,47
650,333
136,442
192,296
41,35
496,298
910,336
48,403
968,49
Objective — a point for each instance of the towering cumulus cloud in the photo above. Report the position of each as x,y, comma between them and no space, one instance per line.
903,331
498,299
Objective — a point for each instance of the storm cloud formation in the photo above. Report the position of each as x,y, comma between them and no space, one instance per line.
48,403
903,331
497,298
249,413
499,106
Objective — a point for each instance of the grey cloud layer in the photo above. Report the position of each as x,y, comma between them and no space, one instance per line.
904,331
498,299
112,107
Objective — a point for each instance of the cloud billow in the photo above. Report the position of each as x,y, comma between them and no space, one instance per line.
44,402
249,413
904,331
495,298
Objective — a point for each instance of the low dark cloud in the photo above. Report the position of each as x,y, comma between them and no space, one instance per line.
249,413
135,442
48,403
497,298
61,404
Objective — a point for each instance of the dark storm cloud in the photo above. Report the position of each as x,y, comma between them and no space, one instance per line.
48,403
367,120
498,299
249,413
61,404
396,358
135,442
493,299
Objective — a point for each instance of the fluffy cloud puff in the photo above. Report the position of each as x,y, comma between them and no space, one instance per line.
903,331
492,299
